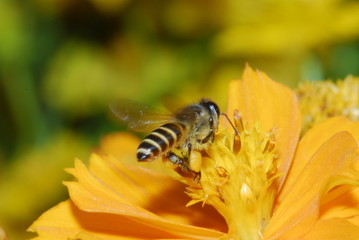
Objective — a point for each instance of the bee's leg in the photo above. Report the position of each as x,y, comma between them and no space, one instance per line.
182,167
189,149
179,161
174,159
210,136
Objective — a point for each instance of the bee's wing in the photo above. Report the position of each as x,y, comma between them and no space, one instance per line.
138,116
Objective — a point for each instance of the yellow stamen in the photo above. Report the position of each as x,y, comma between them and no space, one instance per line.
239,181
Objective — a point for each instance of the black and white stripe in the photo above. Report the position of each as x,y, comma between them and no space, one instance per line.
160,141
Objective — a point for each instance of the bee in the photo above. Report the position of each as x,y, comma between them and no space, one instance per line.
189,128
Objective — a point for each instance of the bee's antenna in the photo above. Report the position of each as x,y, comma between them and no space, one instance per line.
229,120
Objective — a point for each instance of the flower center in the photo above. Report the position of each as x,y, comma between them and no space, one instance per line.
238,176
325,99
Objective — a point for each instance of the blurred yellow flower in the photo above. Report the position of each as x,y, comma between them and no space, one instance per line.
324,99
264,183
272,27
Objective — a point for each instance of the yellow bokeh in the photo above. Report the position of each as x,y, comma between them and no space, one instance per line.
63,61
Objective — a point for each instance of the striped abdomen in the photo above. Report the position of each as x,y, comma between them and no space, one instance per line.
160,141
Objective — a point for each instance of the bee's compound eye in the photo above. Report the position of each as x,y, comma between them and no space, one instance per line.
216,108
195,161
212,106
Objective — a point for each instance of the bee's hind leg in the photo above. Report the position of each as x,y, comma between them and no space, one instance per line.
179,161
175,159
182,167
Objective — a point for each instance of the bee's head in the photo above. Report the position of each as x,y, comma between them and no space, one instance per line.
212,108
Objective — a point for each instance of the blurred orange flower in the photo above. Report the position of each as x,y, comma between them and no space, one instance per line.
263,184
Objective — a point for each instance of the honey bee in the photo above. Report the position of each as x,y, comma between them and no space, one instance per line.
192,127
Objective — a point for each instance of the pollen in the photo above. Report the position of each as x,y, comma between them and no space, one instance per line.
238,178
322,100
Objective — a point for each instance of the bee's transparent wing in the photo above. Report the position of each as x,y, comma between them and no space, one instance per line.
139,117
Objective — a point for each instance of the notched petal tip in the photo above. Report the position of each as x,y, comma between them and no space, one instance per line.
108,186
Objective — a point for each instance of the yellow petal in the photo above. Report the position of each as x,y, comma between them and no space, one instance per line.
66,221
109,187
342,202
147,189
333,229
312,140
355,220
260,99
300,208
121,145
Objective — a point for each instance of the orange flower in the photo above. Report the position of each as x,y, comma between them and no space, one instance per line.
263,184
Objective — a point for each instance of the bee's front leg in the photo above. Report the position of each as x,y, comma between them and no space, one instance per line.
210,136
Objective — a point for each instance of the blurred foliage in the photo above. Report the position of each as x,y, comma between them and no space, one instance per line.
62,61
